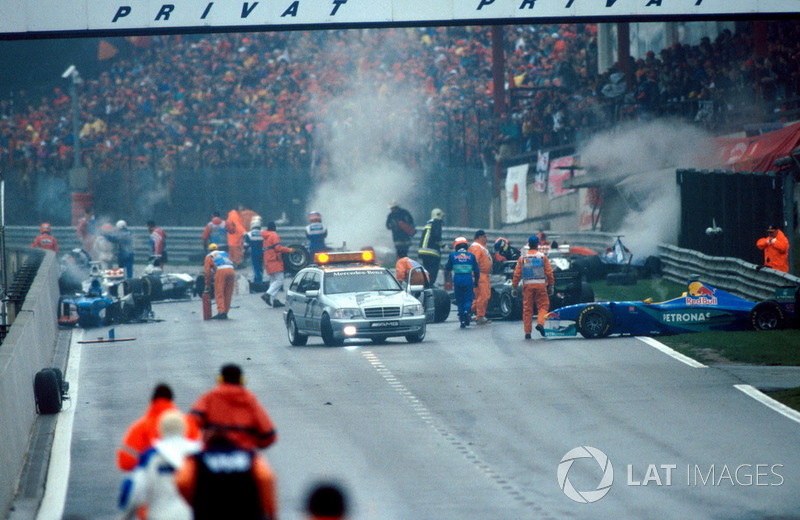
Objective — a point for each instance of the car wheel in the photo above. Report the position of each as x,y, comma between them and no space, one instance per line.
590,266
442,304
767,315
327,332
378,340
47,391
153,287
297,260
416,338
295,337
509,307
594,321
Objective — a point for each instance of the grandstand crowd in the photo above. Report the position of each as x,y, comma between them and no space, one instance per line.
264,99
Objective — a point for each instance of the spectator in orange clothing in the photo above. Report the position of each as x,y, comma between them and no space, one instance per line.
231,410
236,231
776,249
484,289
45,240
144,431
226,481
218,265
533,270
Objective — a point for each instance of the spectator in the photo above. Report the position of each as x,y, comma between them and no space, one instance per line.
151,487
326,501
232,411
143,432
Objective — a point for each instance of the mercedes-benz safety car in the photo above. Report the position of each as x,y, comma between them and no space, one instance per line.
701,308
345,295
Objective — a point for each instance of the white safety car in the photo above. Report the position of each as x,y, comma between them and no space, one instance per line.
344,295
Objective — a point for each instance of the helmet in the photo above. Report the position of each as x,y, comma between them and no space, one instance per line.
437,214
500,244
314,216
255,222
212,247
121,224
533,242
44,228
460,243
394,204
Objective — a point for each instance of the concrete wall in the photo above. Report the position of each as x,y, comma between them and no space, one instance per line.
28,347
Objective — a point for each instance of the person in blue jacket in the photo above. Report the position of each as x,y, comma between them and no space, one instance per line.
463,272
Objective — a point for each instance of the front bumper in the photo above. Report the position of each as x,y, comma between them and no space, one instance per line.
384,327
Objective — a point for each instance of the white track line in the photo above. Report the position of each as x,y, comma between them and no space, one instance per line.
55,491
764,399
672,353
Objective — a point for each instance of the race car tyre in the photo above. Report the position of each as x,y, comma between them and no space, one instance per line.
47,391
327,332
133,286
442,304
587,293
509,306
652,266
768,315
590,266
621,278
594,321
153,287
295,337
298,260
416,338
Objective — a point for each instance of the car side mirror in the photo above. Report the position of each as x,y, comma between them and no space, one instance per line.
416,288
312,294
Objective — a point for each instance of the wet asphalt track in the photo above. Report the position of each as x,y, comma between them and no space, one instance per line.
470,424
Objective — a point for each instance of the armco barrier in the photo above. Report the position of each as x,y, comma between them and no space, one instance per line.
184,243
28,347
730,274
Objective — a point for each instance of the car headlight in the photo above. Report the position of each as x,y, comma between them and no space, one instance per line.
347,313
412,309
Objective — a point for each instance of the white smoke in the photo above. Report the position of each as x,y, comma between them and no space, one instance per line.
640,160
364,127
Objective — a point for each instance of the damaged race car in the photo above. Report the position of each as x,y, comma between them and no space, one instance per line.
570,287
701,308
106,299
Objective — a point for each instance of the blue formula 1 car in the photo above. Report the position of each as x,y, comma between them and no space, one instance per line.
700,308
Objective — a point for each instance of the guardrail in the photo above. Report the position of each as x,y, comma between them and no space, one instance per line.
729,274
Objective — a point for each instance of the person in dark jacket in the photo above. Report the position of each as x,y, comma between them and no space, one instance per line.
401,223
430,244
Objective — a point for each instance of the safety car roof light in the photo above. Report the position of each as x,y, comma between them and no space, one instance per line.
348,257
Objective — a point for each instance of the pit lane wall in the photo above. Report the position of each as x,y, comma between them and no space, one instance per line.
28,347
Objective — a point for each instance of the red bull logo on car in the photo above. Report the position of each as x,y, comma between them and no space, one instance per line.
700,294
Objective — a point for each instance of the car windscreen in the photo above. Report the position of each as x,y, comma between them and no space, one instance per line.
338,282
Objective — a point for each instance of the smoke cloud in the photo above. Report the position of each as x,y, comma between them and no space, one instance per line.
640,160
366,127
